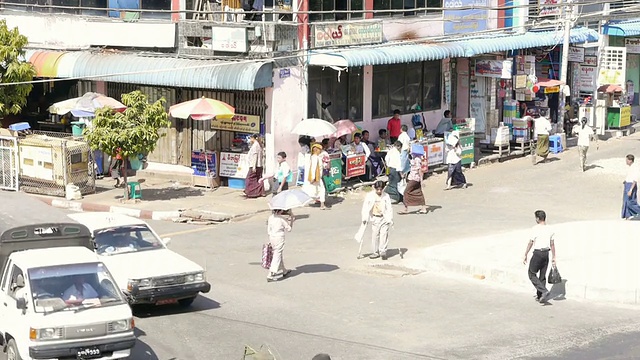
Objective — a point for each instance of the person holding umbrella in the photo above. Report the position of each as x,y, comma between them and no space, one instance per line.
378,211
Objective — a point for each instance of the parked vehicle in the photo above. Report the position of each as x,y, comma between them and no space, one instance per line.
60,301
147,271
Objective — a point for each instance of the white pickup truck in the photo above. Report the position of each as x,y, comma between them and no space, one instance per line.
57,299
146,270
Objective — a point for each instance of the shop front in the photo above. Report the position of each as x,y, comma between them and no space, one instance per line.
626,35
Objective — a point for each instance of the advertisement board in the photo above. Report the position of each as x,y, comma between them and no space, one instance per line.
234,165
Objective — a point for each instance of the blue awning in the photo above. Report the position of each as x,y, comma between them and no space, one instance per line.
384,54
531,39
174,72
622,28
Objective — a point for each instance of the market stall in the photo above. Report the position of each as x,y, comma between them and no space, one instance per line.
618,110
333,180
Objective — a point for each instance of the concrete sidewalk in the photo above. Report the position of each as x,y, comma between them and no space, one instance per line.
167,200
598,260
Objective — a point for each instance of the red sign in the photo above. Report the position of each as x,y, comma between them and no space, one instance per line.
356,165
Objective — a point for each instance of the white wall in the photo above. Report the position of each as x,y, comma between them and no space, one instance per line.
287,107
412,28
65,31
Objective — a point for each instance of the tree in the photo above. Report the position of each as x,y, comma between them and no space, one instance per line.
134,131
13,70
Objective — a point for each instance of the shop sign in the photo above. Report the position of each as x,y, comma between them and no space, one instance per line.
343,34
552,89
435,153
334,179
229,39
587,79
576,54
632,45
591,60
467,143
625,115
356,165
241,123
500,69
234,165
549,7
520,81
199,164
465,21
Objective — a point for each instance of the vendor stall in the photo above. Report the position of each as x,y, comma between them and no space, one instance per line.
618,116
467,142
434,150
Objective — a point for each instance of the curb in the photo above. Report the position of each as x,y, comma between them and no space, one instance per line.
519,279
94,207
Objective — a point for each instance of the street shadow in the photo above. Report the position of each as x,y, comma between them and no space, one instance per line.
396,252
593,166
201,303
559,291
141,350
549,160
302,217
312,269
168,194
433,208
330,201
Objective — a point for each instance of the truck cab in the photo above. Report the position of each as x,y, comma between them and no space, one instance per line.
57,299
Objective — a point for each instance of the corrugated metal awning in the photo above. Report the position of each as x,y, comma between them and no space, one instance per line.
174,72
531,39
622,28
46,62
384,55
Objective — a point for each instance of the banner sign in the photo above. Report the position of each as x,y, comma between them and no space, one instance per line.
356,165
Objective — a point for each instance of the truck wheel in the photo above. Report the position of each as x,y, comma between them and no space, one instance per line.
186,302
12,351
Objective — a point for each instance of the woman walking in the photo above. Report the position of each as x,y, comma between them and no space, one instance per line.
394,164
280,222
455,176
314,186
585,134
413,195
254,188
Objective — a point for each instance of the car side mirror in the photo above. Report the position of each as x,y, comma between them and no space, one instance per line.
21,304
166,241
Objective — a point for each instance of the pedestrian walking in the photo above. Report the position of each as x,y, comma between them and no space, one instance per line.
455,176
284,174
314,186
413,195
378,211
630,207
394,164
279,223
542,129
116,168
404,139
253,186
541,241
585,135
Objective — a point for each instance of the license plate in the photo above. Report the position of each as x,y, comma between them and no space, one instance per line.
89,353
166,302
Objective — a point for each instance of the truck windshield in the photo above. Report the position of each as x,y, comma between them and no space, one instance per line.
73,286
124,239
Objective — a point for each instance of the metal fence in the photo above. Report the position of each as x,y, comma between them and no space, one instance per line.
50,161
8,163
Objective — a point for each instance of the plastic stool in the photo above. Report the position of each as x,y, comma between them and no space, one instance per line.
135,191
555,144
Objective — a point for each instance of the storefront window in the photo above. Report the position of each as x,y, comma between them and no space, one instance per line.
156,5
403,86
381,5
355,8
335,95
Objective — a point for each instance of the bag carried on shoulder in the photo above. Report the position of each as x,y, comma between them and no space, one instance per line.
267,255
554,276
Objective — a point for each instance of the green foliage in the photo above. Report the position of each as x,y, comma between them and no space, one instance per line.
13,70
136,131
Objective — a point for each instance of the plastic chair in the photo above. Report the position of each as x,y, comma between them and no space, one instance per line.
555,144
135,190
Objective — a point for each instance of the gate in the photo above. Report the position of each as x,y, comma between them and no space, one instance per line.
8,163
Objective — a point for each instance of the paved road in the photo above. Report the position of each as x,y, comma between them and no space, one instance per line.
350,309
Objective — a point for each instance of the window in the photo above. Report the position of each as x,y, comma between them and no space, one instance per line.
336,5
381,5
335,95
404,86
5,275
15,272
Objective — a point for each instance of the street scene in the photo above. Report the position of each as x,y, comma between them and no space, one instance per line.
319,180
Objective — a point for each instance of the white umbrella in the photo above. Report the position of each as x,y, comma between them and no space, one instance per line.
289,199
314,128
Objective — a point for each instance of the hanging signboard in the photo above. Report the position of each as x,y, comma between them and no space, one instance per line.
500,69
465,21
576,54
632,45
552,89
590,60
240,123
613,66
344,34
234,165
587,79
549,8
520,81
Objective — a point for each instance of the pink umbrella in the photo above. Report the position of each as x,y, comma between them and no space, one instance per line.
549,82
344,127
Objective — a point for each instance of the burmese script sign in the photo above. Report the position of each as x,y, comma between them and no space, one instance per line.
343,34
241,123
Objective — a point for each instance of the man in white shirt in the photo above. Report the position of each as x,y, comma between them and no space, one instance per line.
80,290
585,134
378,210
406,146
543,129
541,241
630,207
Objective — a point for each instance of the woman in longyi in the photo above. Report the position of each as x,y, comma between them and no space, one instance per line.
313,185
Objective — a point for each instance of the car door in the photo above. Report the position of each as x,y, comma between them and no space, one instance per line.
4,297
13,314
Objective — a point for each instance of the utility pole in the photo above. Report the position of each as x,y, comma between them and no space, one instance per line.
564,69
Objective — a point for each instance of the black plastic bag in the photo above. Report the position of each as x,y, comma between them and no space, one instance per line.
554,276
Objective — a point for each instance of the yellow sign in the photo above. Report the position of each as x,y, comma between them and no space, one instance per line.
610,76
240,123
625,116
552,89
